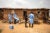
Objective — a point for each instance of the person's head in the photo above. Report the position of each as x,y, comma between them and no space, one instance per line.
12,12
9,12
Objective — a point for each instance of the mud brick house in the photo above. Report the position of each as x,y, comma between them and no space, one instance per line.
39,13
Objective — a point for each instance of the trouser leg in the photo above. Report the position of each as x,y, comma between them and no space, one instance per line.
32,25
25,23
14,21
10,21
29,25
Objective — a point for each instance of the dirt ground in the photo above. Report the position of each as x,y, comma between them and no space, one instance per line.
20,28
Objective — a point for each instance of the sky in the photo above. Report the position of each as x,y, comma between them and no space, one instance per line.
25,4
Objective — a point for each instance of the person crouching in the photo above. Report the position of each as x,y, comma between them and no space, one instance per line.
16,19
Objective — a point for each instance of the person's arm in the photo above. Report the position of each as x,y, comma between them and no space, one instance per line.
28,16
17,17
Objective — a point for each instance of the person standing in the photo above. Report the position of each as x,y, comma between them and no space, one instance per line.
31,19
10,17
25,18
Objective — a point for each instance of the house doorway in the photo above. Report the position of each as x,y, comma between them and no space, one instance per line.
1,14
